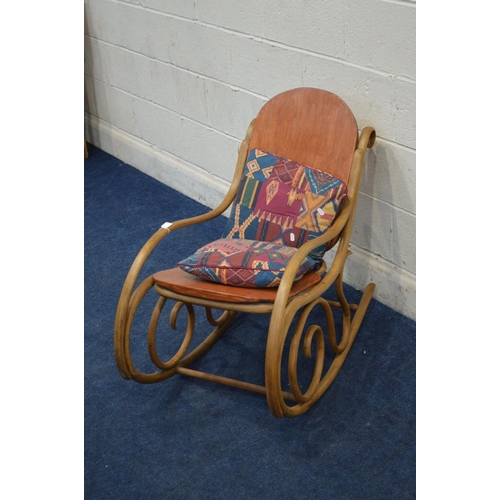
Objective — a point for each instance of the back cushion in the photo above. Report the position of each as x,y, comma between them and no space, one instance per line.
283,202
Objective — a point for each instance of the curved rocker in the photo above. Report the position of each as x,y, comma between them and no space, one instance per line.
314,128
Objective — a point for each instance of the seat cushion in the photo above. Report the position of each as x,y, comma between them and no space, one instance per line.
283,202
243,262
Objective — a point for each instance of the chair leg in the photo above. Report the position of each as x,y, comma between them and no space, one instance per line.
321,379
299,401
179,360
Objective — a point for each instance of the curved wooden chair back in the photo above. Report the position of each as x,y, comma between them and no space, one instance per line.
310,126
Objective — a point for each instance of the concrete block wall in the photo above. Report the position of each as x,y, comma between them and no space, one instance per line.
171,86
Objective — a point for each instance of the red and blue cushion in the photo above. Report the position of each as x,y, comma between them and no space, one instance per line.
284,202
244,263
280,205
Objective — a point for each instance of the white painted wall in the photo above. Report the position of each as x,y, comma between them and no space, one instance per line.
171,86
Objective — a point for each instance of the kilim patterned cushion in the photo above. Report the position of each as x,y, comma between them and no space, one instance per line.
284,202
280,205
244,263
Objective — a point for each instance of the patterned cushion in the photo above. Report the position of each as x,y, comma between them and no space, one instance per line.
284,202
245,263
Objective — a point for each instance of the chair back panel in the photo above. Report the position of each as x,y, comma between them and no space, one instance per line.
310,126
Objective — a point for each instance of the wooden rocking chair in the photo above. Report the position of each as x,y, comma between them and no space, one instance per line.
294,196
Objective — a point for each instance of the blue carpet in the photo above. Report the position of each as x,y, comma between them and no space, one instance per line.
189,439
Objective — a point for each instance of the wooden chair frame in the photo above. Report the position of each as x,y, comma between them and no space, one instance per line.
282,303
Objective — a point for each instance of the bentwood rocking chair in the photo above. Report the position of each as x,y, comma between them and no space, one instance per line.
293,197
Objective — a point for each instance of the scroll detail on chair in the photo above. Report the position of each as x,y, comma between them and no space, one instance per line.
280,202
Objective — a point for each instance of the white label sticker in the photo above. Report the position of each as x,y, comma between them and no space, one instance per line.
321,211
166,225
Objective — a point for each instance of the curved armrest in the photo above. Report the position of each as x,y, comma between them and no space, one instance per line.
337,227
343,223
142,256
231,194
